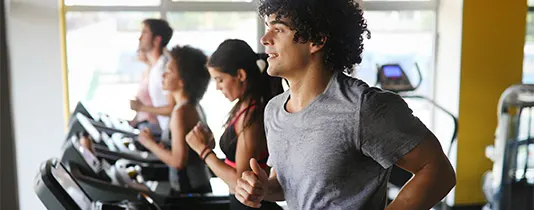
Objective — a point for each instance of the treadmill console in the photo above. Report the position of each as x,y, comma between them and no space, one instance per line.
71,187
96,135
81,108
392,77
57,190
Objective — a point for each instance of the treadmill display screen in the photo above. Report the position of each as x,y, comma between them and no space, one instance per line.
392,71
73,189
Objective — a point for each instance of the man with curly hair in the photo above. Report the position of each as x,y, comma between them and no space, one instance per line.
333,139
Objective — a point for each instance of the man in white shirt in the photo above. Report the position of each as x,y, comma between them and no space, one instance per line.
155,36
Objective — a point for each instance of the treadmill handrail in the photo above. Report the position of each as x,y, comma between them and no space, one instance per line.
420,76
45,174
455,120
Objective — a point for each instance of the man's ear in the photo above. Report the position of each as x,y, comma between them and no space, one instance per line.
316,47
241,75
181,83
156,41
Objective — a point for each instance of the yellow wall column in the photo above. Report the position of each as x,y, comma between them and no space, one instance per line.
64,66
493,36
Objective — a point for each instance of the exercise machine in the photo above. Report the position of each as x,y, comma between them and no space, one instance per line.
57,190
109,143
104,120
125,179
510,183
88,169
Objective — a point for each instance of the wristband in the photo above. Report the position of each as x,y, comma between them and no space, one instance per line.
208,154
203,150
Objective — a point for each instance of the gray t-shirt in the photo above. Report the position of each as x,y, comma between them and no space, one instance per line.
337,152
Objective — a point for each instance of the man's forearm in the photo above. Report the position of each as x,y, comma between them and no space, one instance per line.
163,110
428,187
274,191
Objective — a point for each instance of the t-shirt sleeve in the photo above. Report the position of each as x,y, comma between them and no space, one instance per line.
265,127
388,128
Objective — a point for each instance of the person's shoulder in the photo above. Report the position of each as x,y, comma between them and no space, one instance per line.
161,63
377,102
377,96
185,109
354,90
349,82
347,88
277,101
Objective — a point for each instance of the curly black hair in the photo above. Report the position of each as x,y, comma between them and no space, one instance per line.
341,22
192,70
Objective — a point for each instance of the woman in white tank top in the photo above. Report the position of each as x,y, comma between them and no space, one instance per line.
186,78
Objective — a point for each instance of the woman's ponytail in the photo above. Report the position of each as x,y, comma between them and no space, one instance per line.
272,86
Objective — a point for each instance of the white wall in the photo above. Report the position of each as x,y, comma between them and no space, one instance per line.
447,76
36,90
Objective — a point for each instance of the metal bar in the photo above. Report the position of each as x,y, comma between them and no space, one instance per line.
212,6
163,9
400,5
169,6
112,8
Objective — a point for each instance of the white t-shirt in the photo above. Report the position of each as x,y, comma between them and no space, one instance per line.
155,88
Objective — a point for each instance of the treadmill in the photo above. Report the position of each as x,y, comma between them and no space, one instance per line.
103,119
509,184
126,179
57,190
111,145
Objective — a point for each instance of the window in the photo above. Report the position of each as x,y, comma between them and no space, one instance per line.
112,2
404,37
206,30
101,56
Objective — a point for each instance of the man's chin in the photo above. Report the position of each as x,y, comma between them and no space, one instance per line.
273,72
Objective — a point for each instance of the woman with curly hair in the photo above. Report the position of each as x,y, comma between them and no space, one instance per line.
186,78
332,139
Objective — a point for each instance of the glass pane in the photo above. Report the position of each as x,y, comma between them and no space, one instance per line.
530,2
101,55
206,30
112,2
407,38
528,59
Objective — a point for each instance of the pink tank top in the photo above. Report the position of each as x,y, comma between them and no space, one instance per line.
144,97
